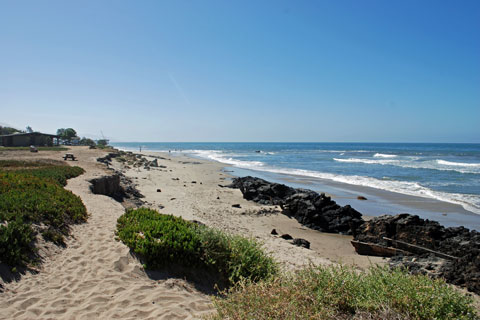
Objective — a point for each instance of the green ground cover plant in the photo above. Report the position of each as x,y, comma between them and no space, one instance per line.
340,292
164,239
34,201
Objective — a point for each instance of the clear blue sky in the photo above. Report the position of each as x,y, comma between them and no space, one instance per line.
404,71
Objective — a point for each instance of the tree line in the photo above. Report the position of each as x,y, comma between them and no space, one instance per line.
65,134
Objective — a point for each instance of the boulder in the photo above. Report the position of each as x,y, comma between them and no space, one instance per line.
301,243
153,163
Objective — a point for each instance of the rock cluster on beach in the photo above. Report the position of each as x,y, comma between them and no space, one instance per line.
461,266
117,185
451,253
316,211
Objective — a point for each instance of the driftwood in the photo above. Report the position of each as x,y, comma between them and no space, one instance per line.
418,249
373,249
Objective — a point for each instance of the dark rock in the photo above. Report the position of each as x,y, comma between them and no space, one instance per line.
194,181
262,191
108,158
361,198
274,232
315,211
457,242
301,243
236,205
159,190
286,236
173,198
218,198
153,163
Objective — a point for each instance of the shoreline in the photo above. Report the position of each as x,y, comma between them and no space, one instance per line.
378,201
207,202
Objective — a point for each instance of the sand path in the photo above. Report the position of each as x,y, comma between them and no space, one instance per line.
95,277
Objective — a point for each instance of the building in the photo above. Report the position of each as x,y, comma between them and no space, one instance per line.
75,141
37,139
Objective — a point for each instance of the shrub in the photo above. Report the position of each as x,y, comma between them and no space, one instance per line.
60,174
159,239
35,196
15,241
235,256
342,292
164,239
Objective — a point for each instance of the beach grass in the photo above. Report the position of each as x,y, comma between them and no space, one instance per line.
32,201
165,239
38,148
341,292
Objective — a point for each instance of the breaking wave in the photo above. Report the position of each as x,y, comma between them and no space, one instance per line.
381,155
467,201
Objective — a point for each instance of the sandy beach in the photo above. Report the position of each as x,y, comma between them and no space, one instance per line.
96,277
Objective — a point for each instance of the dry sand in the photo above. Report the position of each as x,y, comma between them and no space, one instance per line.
96,277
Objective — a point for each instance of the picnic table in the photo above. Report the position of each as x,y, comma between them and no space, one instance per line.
69,156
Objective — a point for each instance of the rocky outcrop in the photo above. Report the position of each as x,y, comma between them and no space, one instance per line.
320,212
462,246
262,191
316,211
108,158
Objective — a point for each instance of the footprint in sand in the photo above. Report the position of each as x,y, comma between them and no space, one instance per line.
120,264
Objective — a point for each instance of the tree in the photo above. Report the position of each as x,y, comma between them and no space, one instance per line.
8,130
66,134
29,129
87,142
102,142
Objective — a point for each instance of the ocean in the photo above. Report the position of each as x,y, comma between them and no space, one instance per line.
445,172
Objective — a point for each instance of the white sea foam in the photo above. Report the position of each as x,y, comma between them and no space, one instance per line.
458,164
367,161
225,158
411,162
468,202
382,155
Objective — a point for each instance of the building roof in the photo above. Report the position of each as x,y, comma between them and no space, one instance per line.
29,134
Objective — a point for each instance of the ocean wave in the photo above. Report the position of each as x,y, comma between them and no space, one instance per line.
468,202
382,155
412,162
219,156
458,164
367,161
